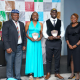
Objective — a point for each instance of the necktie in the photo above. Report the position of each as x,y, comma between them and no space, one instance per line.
54,23
17,30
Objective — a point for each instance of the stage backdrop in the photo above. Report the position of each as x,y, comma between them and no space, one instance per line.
26,7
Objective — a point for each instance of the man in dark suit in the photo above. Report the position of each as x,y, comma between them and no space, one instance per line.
53,44
14,38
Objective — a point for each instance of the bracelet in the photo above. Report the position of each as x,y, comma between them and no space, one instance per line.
39,38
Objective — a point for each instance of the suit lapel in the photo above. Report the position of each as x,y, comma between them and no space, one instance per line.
14,29
13,25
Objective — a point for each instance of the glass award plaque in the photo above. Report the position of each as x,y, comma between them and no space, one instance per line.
54,33
35,35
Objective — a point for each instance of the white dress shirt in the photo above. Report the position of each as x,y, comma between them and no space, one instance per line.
20,39
52,21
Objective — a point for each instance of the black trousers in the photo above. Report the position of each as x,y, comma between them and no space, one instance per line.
53,47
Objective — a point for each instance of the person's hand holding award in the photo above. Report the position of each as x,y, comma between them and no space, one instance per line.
54,33
35,35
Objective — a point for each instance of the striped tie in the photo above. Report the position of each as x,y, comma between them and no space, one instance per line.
18,30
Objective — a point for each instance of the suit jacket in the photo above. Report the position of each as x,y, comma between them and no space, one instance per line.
10,35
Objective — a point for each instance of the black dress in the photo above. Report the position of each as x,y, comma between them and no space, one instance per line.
73,35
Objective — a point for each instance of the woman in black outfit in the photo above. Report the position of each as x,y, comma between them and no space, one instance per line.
72,37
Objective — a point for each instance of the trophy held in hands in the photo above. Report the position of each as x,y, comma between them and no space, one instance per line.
35,35
54,33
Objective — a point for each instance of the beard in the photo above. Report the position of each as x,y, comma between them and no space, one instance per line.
54,17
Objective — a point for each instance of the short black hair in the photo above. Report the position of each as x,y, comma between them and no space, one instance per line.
76,15
54,9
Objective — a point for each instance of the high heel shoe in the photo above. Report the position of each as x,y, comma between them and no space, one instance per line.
30,77
71,77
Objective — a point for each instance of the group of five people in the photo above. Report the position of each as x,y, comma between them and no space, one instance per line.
14,37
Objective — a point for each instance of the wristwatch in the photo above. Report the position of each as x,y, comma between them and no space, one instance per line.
76,45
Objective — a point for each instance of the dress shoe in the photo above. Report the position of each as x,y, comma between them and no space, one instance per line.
59,76
47,76
71,77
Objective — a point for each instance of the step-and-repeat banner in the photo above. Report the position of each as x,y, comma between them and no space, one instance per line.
26,7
